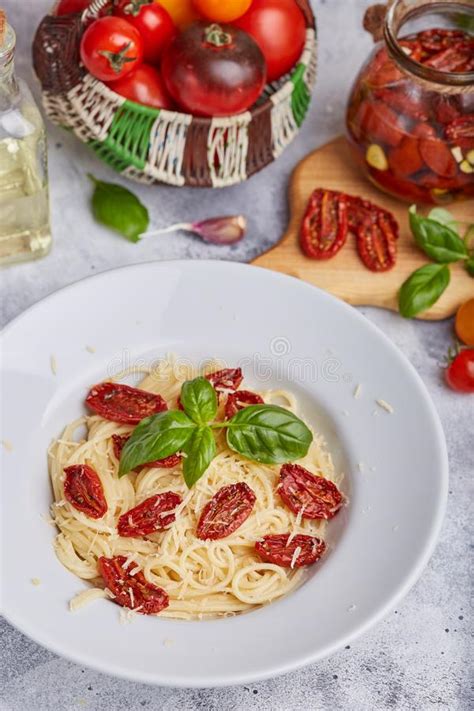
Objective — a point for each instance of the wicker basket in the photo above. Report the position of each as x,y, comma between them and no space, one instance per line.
159,146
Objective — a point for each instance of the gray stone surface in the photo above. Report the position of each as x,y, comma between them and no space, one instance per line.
419,656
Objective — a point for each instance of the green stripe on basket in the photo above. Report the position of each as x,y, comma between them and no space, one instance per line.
109,156
128,139
301,96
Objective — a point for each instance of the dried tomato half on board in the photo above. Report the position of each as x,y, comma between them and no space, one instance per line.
237,401
301,550
132,591
153,514
312,495
118,443
226,379
226,511
83,489
324,229
377,244
124,404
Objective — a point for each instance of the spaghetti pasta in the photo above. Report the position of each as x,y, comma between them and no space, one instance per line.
203,578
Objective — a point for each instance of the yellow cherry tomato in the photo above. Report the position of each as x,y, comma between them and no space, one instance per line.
182,12
464,324
220,11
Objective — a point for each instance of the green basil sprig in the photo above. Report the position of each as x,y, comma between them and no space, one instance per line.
423,289
436,239
118,208
156,437
438,236
268,434
262,433
199,400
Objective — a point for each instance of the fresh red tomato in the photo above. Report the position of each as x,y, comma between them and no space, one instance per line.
226,511
153,22
83,489
153,514
315,496
279,28
121,403
145,86
460,372
222,11
68,7
301,550
111,48
213,70
132,591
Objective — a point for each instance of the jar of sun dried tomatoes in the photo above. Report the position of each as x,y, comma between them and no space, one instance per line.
410,117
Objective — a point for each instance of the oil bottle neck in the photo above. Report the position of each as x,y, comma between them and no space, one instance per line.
9,90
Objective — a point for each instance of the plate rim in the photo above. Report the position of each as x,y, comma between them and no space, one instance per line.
398,593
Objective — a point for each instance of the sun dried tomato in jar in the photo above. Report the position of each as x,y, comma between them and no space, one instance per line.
410,117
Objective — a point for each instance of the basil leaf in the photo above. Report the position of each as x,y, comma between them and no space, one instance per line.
444,217
156,437
422,289
268,434
200,450
118,208
199,400
437,241
470,266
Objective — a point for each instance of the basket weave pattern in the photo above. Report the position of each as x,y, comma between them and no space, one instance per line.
160,146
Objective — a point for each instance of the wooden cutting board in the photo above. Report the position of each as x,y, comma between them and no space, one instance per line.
332,166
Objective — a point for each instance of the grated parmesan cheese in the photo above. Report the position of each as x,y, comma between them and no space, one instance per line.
90,349
35,581
358,391
295,556
361,466
385,406
86,596
53,364
7,445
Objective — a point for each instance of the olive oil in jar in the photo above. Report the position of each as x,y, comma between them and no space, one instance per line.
24,201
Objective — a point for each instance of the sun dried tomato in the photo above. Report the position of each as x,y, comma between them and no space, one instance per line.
118,443
240,399
398,186
312,495
379,123
83,489
461,132
446,108
415,48
377,243
405,159
382,71
438,157
227,379
325,227
452,59
436,39
301,550
132,591
226,511
404,101
121,403
153,514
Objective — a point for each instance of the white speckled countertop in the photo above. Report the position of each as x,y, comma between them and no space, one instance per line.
419,656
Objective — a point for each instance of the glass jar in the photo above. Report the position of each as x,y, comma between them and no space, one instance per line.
24,203
410,117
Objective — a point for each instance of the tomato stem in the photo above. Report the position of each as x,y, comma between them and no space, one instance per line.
216,36
134,6
117,59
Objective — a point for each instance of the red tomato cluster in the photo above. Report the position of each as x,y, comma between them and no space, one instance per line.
416,143
205,57
305,494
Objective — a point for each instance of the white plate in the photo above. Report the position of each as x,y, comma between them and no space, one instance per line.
284,332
